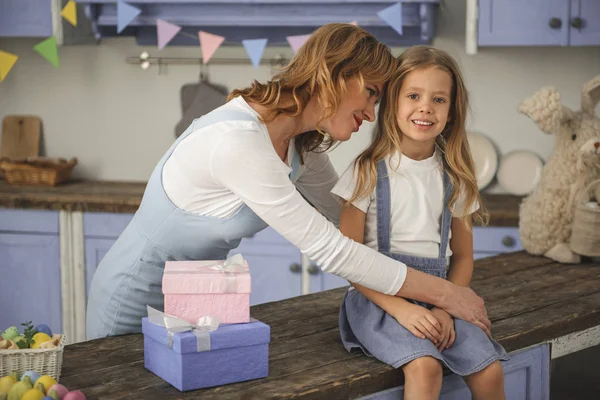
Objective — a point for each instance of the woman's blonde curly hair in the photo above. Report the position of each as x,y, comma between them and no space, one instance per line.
332,55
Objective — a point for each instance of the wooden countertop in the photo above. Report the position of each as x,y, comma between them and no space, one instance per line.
531,300
101,196
125,197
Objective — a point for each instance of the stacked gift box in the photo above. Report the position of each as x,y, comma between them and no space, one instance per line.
205,337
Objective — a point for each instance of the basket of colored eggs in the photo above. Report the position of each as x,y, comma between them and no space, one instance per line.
33,349
32,386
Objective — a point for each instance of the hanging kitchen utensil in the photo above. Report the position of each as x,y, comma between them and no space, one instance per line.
198,99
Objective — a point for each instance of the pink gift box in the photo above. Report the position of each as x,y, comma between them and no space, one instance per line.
194,289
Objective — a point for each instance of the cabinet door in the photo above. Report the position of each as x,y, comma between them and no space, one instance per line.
275,266
585,23
526,377
30,287
523,23
275,275
95,249
492,240
25,18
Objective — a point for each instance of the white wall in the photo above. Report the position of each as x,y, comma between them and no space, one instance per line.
118,119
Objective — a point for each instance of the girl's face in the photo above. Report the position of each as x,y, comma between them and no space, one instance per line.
357,105
423,107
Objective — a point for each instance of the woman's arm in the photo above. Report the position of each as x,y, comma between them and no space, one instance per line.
243,162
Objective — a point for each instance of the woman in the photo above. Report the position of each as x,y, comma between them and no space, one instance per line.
258,161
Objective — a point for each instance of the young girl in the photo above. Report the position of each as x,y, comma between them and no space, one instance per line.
412,195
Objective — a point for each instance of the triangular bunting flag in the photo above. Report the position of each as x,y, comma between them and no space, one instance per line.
7,60
125,14
297,41
255,49
392,16
209,43
47,49
69,12
165,31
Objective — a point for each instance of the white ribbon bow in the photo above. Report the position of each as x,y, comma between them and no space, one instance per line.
233,264
174,325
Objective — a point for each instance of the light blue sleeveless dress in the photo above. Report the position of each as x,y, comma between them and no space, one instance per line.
364,325
129,277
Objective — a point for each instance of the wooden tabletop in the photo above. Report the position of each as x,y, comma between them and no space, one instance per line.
125,197
531,300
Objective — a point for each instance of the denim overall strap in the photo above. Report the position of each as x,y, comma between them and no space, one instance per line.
446,221
214,117
383,208
295,165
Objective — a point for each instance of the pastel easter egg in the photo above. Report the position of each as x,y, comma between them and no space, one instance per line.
59,389
33,375
44,329
74,395
47,381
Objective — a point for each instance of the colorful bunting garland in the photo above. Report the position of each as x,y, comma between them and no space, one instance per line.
166,31
69,12
7,60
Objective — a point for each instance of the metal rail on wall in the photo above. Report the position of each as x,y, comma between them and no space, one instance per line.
144,60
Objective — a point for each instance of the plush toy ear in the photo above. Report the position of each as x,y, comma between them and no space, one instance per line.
590,95
546,110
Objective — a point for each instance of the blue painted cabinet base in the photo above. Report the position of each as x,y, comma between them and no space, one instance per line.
30,282
526,377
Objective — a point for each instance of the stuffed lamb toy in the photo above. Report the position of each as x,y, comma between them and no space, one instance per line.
546,216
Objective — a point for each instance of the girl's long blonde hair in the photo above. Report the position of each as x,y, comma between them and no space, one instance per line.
333,54
452,141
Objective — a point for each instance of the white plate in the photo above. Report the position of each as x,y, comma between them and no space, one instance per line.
519,172
485,158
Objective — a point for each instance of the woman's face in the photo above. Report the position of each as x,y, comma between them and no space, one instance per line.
357,105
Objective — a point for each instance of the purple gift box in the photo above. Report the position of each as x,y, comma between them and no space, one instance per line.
188,361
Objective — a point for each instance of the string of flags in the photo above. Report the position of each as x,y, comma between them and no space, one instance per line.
166,31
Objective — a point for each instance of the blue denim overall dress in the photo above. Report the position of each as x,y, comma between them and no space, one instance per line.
129,277
366,326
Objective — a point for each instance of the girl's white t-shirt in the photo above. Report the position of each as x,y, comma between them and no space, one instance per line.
416,196
217,169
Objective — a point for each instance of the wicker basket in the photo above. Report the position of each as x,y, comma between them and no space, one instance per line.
37,171
585,237
43,361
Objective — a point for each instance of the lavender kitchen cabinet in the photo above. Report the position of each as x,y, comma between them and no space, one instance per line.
539,23
492,240
30,283
275,266
526,377
100,231
585,23
26,18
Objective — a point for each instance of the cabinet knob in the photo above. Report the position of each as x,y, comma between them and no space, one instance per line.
508,241
577,23
555,23
313,269
295,268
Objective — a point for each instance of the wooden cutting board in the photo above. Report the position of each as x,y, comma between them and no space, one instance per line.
20,136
